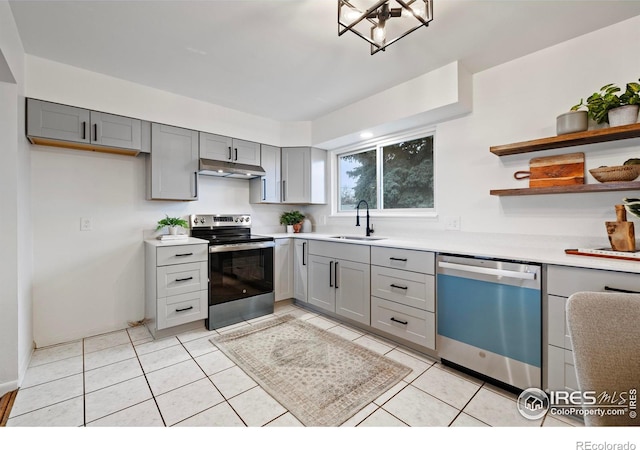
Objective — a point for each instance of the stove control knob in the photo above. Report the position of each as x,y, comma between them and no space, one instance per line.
195,221
202,220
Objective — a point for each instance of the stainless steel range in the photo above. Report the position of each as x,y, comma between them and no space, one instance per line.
240,268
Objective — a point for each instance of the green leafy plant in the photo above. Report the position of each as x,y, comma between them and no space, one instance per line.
632,205
291,217
607,98
172,222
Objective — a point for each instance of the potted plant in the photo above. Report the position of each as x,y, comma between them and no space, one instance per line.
293,220
607,106
573,121
172,223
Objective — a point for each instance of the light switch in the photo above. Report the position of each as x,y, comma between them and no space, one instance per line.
86,224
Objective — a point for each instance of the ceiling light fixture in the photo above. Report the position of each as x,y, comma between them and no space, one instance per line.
371,19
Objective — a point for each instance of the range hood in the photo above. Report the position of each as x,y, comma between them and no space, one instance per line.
229,169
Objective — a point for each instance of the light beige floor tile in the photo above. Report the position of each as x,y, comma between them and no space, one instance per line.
550,421
46,394
255,407
163,358
153,346
417,366
285,420
390,393
344,332
465,420
102,341
221,415
143,414
284,307
197,333
569,420
138,334
198,347
447,387
232,381
497,410
322,322
52,371
382,418
421,356
467,377
112,374
373,344
358,417
108,356
187,401
233,326
46,355
69,413
261,318
214,362
498,390
115,398
419,409
172,377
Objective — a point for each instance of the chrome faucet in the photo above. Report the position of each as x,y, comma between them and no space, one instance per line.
369,229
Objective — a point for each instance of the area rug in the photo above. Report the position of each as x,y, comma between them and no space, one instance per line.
321,378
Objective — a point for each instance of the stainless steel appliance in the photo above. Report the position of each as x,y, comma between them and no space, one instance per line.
490,318
240,268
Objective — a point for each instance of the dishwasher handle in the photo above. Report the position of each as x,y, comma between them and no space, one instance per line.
488,271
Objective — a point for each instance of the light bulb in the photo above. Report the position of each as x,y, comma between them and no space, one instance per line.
349,14
379,35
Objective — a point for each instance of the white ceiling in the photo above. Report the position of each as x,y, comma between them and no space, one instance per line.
283,59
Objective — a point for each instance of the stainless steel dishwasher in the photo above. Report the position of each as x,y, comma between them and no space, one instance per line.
490,318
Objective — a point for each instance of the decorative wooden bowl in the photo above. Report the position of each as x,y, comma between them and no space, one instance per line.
615,173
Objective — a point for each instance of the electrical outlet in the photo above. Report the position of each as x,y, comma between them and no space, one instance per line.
452,223
86,224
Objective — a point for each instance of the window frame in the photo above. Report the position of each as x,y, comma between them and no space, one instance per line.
377,145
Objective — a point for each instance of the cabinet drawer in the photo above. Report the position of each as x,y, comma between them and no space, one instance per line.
561,371
181,278
401,286
335,250
398,258
183,308
180,254
412,324
565,281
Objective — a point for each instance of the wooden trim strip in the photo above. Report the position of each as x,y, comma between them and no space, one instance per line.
6,403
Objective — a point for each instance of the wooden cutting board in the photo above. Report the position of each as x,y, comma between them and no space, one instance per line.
560,170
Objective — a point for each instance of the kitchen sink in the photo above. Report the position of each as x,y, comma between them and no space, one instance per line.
357,238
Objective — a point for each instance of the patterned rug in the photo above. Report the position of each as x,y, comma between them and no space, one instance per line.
321,378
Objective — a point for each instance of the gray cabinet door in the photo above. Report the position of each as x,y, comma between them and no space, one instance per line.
55,121
174,163
296,172
216,147
246,152
115,131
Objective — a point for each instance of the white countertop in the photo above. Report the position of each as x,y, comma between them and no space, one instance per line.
169,243
536,249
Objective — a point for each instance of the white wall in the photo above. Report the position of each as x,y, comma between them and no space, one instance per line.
514,102
15,221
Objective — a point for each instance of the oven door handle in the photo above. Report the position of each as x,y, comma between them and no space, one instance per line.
238,247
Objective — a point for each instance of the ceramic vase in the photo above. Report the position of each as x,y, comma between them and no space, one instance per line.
623,115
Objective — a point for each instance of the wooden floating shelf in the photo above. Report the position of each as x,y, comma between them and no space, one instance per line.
573,189
569,140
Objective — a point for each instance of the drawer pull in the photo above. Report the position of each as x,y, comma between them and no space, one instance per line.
626,291
184,279
184,254
398,259
399,321
184,309
398,287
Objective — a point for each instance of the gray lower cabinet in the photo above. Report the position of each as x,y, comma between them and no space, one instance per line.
176,285
224,148
283,270
340,279
173,165
403,294
562,282
78,128
300,269
266,189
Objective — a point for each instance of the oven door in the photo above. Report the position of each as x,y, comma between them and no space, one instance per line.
239,271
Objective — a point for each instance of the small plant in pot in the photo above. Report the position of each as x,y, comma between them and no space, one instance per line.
172,223
607,106
293,220
573,121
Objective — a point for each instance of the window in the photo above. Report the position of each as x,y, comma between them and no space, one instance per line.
396,176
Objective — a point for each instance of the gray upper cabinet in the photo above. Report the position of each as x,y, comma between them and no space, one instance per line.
223,148
173,165
303,175
78,128
266,189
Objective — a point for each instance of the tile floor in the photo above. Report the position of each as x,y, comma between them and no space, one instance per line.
126,378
